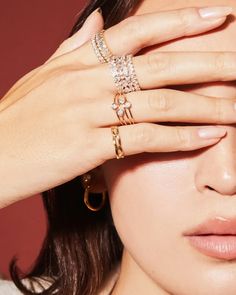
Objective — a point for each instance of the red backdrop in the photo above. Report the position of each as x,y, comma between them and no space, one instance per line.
30,31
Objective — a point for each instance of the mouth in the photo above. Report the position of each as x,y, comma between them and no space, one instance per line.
215,238
216,246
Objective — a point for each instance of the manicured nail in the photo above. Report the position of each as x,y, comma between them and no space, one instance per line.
91,15
99,10
215,12
211,132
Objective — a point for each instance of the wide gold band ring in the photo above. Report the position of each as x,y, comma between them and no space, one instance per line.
123,73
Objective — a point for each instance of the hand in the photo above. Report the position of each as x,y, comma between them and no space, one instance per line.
57,125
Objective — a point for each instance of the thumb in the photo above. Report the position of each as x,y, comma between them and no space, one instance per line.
93,24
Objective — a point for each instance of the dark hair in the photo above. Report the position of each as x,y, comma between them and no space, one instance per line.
81,247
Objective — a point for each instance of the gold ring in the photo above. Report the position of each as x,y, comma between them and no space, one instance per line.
117,142
122,107
100,47
123,73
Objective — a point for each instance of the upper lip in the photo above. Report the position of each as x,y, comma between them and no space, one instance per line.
214,226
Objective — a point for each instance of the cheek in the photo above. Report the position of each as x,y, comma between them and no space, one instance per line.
154,200
147,192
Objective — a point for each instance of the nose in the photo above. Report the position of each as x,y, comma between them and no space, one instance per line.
217,167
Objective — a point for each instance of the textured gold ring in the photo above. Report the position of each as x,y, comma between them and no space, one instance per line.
117,142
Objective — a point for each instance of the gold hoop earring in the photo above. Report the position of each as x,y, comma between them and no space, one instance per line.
86,179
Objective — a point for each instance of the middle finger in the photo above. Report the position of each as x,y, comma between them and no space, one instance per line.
175,68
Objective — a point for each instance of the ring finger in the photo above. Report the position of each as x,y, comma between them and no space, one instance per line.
152,138
167,105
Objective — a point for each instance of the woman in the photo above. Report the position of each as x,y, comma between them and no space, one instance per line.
174,178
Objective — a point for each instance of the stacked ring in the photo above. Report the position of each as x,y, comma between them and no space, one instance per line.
122,108
126,81
100,47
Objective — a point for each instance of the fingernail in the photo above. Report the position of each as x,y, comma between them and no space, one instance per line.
99,10
91,15
211,132
215,12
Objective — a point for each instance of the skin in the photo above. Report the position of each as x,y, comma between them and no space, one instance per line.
149,225
155,197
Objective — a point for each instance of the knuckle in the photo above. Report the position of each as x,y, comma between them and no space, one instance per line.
221,61
219,109
225,64
61,77
144,134
61,73
185,17
161,102
134,28
183,137
158,62
52,74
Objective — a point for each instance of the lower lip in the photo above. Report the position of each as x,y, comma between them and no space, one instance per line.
217,246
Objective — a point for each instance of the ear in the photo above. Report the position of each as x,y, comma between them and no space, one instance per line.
98,183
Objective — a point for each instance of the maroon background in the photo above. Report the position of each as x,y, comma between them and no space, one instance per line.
30,31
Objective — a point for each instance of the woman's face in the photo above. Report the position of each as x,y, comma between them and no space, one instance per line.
156,197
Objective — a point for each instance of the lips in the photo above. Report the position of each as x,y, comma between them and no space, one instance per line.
215,238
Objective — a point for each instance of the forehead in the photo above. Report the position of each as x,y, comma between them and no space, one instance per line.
223,39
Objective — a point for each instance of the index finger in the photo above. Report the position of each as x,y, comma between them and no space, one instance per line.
137,32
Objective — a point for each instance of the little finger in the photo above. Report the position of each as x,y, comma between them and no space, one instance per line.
148,137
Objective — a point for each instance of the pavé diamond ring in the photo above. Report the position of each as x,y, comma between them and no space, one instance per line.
100,47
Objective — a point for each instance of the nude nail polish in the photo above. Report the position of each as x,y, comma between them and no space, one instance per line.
215,12
211,132
99,10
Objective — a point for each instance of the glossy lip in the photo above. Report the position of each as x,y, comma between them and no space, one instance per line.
215,238
214,226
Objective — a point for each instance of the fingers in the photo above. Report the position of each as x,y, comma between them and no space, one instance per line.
147,137
173,68
137,32
161,69
166,105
